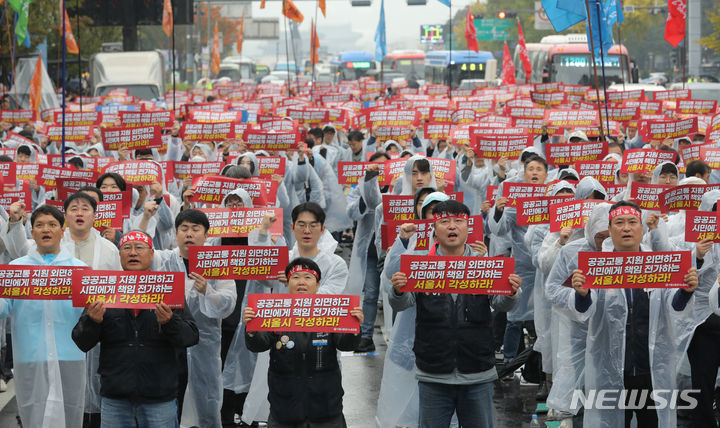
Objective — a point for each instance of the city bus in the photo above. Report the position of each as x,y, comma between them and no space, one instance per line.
354,65
410,63
566,58
441,68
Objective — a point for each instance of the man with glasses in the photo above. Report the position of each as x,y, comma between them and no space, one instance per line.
49,368
138,359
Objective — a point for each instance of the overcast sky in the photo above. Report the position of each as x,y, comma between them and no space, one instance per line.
402,21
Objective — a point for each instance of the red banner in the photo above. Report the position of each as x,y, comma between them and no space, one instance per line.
349,173
499,146
537,210
37,282
397,133
27,171
444,169
641,269
513,191
146,137
324,313
206,116
270,140
696,106
662,129
548,99
393,118
437,130
191,169
238,222
711,156
602,171
49,175
572,118
673,94
269,166
125,289
685,197
573,214
7,170
570,153
134,119
637,161
17,117
87,118
111,214
23,195
622,114
462,275
196,131
72,133
137,173
646,107
237,262
397,207
647,196
701,225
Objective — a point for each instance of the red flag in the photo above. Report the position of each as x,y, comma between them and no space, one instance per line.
471,33
314,43
36,87
675,24
321,4
523,53
215,62
262,4
167,20
241,33
508,69
70,43
292,12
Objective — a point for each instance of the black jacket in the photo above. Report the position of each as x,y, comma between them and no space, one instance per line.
138,359
637,330
304,380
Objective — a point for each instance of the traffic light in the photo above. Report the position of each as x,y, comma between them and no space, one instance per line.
502,14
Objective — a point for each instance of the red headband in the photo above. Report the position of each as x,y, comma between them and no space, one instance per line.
624,211
301,268
135,236
441,215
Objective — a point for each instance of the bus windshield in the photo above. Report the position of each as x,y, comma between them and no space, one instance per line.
576,69
353,70
465,71
412,68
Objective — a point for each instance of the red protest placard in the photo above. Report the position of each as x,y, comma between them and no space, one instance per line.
392,169
22,194
526,112
72,133
499,146
441,114
322,313
191,169
48,175
85,118
685,197
614,190
397,207
124,197
641,269
548,99
110,214
437,130
647,196
572,118
478,106
206,116
543,88
146,137
444,169
646,107
573,214
537,210
393,118
387,132
237,262
620,96
349,173
621,114
662,129
492,194
256,139
570,153
307,115
464,116
36,282
602,171
701,225
460,135
425,230
637,161
126,289
17,117
696,106
238,222
137,172
17,139
27,171
134,119
269,166
196,131
513,191
7,170
212,189
673,94
463,275
711,156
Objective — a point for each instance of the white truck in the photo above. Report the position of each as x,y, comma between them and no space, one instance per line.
142,73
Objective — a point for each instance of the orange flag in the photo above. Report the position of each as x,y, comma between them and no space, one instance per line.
215,62
321,3
36,87
167,22
292,12
262,4
314,44
241,33
70,43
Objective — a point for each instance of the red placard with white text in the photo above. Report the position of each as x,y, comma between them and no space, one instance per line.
181,170
711,156
499,146
110,214
572,118
212,189
205,116
570,153
701,225
237,262
647,196
239,222
322,313
462,275
349,173
135,119
602,171
637,161
537,210
125,289
137,172
572,214
696,106
270,165
17,117
256,139
662,129
196,131
36,282
397,207
513,191
437,130
635,269
72,133
85,118
685,197
393,118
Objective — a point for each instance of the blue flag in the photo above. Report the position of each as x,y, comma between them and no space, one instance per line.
445,2
560,19
600,18
380,41
576,7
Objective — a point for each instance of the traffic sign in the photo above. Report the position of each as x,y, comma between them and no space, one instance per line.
492,28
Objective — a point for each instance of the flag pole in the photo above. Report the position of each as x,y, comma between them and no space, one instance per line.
287,49
172,44
622,68
450,37
79,62
312,50
594,66
64,55
602,65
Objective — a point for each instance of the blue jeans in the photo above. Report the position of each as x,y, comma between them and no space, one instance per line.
371,292
126,414
511,343
473,404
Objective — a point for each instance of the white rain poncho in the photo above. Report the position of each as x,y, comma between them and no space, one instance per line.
676,223
203,396
49,367
336,218
304,176
475,180
404,185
